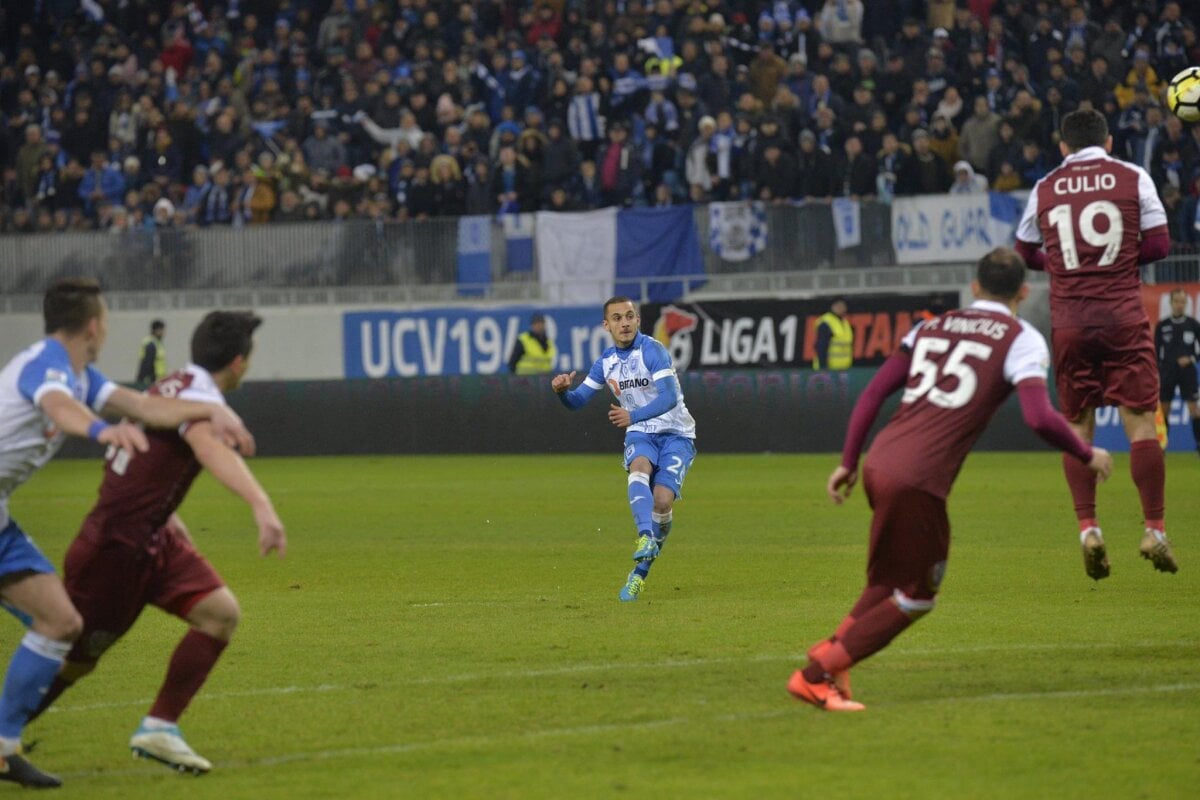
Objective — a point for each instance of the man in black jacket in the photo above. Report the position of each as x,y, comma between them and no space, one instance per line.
1177,341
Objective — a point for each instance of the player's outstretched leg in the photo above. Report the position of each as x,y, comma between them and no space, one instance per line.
163,742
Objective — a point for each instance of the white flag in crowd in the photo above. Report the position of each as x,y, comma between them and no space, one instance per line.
737,231
847,222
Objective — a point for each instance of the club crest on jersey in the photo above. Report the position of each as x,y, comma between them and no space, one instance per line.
56,376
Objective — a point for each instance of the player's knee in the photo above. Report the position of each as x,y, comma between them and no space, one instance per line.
64,625
913,607
219,617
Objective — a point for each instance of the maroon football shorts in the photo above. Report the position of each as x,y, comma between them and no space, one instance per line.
910,536
1096,367
111,582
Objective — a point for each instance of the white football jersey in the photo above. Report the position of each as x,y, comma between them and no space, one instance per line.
630,375
27,437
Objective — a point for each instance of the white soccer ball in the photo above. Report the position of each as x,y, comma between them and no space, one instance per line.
1183,95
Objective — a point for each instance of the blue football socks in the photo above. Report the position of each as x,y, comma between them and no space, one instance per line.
30,674
641,500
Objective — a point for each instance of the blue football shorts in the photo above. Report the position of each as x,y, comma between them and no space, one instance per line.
670,454
18,553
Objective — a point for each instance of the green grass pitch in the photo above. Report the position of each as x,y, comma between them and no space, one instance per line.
449,627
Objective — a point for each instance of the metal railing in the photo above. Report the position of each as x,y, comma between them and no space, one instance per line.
362,261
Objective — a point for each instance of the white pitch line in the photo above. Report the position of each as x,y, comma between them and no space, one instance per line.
624,727
574,669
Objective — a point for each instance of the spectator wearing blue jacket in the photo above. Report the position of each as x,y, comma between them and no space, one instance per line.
103,183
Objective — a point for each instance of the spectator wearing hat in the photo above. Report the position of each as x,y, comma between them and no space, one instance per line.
966,181
943,138
894,87
715,88
700,163
659,156
512,185
560,158
691,110
859,113
620,167
534,353
841,22
911,45
1140,76
926,172
816,169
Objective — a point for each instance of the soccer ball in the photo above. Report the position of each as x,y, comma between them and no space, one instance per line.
1183,95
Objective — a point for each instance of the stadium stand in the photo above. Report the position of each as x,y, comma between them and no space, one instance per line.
132,114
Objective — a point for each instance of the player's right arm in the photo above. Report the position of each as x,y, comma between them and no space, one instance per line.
576,398
890,377
228,467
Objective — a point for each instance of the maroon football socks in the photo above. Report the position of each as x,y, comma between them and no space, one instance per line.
193,659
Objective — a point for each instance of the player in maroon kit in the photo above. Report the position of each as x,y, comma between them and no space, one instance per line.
1099,219
956,370
134,551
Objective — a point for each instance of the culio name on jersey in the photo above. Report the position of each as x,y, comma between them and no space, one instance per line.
1080,184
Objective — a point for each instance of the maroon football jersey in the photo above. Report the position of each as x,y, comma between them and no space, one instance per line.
139,493
1090,213
963,365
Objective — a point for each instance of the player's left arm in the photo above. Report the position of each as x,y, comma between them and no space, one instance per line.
230,469
171,412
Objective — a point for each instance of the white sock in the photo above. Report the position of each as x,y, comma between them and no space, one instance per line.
156,724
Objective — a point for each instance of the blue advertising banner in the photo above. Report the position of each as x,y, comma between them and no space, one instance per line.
463,341
1111,435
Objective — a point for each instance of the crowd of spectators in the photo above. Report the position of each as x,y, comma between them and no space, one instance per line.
126,113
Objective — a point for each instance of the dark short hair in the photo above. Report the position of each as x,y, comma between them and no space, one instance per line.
222,336
617,300
1085,127
70,304
1178,290
157,325
1001,273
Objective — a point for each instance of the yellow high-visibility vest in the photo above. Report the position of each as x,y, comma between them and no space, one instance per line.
536,359
841,345
160,356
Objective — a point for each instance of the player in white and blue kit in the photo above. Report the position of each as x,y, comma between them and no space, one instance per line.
660,433
48,391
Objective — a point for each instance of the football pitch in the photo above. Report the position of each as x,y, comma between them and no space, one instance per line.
449,627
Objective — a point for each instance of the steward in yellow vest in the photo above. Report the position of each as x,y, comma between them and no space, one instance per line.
835,339
152,358
534,353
